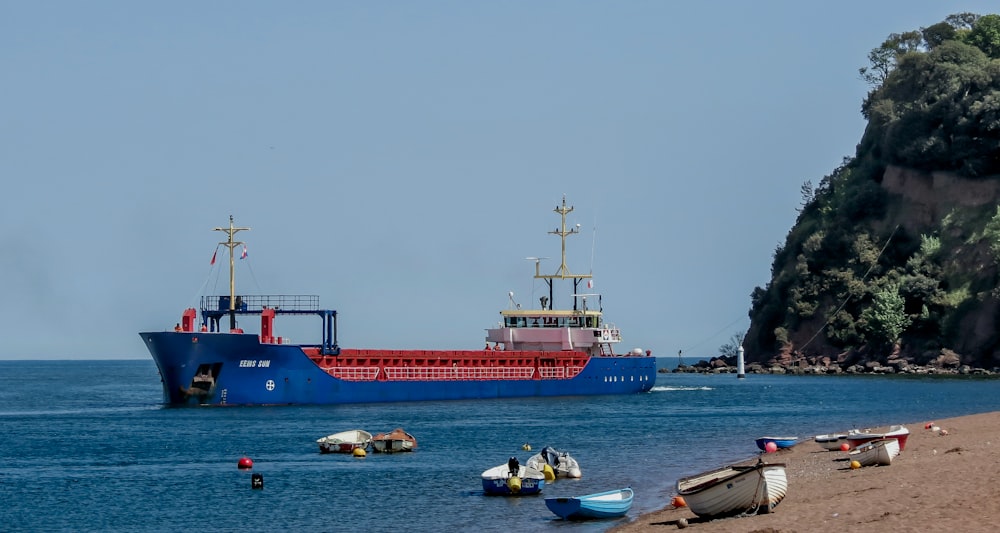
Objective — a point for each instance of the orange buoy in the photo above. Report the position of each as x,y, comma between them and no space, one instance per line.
245,463
928,425
678,501
844,447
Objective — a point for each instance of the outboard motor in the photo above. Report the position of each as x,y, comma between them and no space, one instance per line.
514,466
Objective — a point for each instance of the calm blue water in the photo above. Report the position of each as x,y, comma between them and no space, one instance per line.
85,445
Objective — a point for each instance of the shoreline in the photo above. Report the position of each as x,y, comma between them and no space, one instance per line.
942,481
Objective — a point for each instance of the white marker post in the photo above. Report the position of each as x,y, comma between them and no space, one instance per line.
739,363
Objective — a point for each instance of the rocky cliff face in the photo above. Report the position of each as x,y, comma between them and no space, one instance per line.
940,204
925,198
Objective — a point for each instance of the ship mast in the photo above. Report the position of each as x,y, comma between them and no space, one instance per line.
563,271
231,244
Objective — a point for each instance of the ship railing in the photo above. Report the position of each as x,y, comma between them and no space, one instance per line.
353,373
561,372
254,303
405,373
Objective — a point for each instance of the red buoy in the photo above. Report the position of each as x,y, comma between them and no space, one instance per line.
245,463
844,447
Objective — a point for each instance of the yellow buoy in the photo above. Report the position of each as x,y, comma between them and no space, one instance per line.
514,484
855,465
526,447
550,475
359,452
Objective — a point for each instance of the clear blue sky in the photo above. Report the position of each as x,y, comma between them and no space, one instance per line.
401,159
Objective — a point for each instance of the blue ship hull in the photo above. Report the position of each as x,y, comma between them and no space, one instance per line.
240,370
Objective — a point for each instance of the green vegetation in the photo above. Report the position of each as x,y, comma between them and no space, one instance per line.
865,273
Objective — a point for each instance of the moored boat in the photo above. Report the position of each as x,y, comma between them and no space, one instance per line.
512,479
779,442
394,441
735,489
563,465
345,441
545,351
898,432
875,452
609,504
831,441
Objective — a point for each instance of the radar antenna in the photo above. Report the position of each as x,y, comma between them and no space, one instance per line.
563,271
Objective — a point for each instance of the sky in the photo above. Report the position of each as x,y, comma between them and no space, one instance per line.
401,159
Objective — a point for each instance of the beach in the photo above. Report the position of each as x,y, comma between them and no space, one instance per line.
944,480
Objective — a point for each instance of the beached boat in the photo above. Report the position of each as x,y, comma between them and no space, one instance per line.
512,479
875,452
900,433
610,504
563,465
345,441
779,442
831,441
735,489
396,440
544,351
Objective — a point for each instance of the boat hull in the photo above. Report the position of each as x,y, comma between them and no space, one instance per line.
900,433
733,490
878,452
497,481
237,369
610,504
831,442
396,440
345,441
780,442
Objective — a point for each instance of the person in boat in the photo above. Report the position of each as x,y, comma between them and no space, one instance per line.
513,466
177,326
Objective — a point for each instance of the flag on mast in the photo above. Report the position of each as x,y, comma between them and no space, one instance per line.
244,254
590,283
213,256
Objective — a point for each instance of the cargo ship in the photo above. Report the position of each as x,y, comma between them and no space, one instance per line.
543,351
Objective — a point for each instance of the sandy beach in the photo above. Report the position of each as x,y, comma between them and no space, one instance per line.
946,480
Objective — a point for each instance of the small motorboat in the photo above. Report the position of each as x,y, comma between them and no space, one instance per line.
610,504
832,441
875,452
512,479
779,442
345,441
396,440
735,489
900,433
563,465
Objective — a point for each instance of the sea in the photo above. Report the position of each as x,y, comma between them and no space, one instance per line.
88,446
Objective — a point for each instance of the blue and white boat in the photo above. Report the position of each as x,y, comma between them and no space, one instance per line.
512,479
779,442
531,352
609,504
